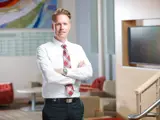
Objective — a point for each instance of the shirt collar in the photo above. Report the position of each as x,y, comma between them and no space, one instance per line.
57,42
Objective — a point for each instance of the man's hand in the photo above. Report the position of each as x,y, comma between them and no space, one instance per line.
81,64
60,70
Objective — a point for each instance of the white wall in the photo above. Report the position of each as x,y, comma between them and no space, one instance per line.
18,70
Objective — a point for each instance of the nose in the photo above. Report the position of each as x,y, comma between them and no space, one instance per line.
62,26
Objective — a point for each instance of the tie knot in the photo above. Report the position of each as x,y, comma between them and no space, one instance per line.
64,46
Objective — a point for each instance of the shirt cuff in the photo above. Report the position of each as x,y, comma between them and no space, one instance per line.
69,72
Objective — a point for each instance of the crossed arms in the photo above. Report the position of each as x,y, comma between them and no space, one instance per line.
51,75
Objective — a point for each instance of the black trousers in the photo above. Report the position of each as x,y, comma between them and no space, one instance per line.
58,109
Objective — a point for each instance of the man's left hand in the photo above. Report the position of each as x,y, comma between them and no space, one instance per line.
60,70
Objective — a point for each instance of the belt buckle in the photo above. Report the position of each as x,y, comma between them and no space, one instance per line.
69,100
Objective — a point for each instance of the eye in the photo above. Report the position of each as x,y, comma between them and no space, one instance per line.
58,24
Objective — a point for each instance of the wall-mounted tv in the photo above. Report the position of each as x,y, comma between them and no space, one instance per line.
144,45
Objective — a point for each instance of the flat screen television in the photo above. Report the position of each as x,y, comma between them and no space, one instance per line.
144,45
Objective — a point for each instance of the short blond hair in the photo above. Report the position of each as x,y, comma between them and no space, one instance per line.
61,11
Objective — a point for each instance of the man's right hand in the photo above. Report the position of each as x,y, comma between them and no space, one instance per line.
81,64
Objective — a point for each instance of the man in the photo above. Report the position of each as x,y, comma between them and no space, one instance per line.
64,65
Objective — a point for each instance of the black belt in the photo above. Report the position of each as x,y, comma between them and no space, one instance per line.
61,100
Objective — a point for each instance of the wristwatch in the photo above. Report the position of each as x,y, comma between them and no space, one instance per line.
65,71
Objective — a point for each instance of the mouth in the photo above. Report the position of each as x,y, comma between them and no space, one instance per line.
62,32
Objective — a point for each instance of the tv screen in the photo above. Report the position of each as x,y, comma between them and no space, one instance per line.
144,44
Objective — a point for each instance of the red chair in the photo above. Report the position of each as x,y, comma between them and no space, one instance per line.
97,83
6,93
82,87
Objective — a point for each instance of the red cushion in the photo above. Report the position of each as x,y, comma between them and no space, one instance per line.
98,83
84,85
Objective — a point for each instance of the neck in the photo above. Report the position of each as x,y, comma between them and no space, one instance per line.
60,40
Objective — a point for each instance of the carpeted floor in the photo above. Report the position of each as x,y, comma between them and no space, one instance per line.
13,112
19,115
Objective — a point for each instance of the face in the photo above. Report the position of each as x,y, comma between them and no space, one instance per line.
62,27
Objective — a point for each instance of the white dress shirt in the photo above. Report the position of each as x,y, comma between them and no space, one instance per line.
50,57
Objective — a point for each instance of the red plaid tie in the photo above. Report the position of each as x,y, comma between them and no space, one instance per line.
67,64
